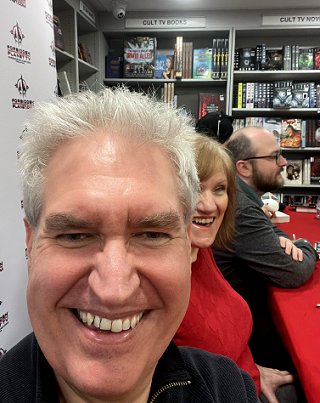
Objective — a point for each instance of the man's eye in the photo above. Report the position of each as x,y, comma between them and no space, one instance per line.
152,238
74,239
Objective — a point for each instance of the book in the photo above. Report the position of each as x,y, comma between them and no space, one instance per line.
84,52
63,83
202,63
315,170
282,94
280,217
178,57
290,136
160,65
58,33
274,59
211,102
316,58
114,65
305,58
247,58
273,125
292,173
300,95
139,57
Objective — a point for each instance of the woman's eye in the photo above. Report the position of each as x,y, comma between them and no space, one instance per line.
220,190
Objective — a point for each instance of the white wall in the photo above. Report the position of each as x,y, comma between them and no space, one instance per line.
26,50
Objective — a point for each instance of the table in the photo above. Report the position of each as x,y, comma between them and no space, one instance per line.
296,315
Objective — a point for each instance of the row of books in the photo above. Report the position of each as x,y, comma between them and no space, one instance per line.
302,203
290,132
286,57
142,59
278,94
302,171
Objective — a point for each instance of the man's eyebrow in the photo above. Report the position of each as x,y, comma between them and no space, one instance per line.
60,221
167,219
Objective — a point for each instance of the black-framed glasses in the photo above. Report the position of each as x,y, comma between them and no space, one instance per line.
276,157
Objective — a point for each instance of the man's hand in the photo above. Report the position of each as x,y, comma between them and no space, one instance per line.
271,379
290,249
267,211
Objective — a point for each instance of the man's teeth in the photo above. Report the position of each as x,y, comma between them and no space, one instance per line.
115,326
203,220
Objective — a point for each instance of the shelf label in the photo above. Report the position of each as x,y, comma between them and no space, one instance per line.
166,22
285,20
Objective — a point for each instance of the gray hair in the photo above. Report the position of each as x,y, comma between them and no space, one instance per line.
140,116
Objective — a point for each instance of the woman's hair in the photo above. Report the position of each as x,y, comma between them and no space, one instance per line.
212,157
116,112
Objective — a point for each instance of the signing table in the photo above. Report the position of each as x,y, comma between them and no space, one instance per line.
296,313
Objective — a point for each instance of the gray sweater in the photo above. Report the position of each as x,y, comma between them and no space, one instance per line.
256,261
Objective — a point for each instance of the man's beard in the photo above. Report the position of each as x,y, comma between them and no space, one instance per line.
264,183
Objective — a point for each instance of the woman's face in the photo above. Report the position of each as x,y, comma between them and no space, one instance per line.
210,210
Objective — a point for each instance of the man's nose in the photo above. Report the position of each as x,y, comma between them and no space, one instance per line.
114,277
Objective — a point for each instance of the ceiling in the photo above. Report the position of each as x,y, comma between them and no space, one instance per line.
200,5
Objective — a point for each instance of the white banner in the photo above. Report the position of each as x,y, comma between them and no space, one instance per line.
294,20
28,75
166,23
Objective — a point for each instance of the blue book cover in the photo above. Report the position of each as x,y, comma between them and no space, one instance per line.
160,67
202,63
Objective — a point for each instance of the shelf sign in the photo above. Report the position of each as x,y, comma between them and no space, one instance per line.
166,22
87,12
285,20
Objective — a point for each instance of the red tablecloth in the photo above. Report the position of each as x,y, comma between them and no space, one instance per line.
296,314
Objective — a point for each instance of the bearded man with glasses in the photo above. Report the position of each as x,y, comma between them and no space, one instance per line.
261,254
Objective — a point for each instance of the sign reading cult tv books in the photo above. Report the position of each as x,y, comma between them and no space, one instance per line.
166,22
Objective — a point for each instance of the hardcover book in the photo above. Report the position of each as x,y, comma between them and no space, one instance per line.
282,94
211,102
164,64
315,170
292,172
202,63
247,58
305,58
274,59
273,125
114,66
58,34
300,95
139,57
316,58
290,136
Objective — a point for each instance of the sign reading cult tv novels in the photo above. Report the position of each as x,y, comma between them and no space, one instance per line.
28,75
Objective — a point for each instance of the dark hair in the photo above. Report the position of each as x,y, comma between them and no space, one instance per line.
217,125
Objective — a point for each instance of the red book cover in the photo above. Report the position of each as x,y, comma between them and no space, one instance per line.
211,102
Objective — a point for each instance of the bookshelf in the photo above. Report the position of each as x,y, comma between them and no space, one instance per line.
187,90
77,29
277,38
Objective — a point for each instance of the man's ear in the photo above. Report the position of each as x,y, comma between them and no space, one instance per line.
29,237
244,168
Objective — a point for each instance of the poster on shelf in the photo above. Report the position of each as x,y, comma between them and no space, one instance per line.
28,70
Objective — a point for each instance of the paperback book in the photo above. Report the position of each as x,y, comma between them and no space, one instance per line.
202,63
290,136
139,57
305,58
211,102
292,172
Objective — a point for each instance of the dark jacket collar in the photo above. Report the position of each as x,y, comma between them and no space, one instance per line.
249,192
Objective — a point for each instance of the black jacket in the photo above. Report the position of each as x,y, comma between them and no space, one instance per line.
183,375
